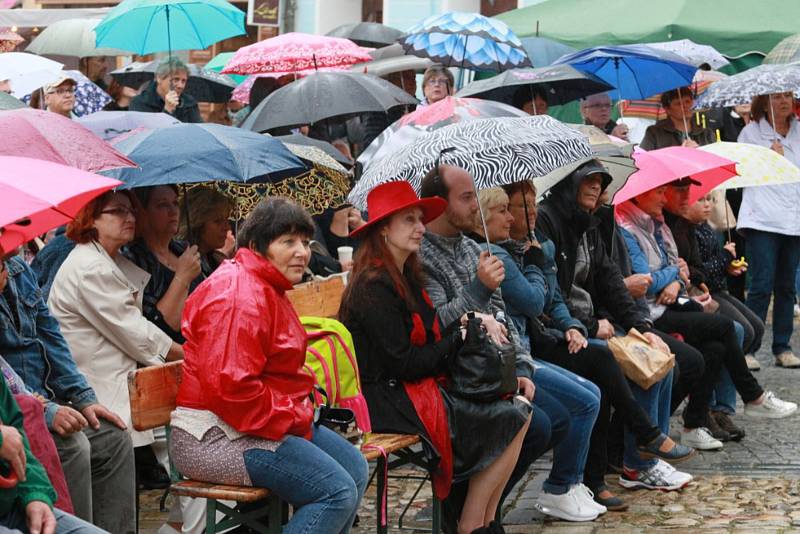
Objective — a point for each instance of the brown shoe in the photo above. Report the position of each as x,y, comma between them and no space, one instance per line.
716,429
725,422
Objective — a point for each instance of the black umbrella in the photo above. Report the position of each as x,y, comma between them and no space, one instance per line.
204,85
561,84
329,149
325,95
370,34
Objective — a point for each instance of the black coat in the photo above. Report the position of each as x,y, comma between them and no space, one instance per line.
686,240
561,220
150,101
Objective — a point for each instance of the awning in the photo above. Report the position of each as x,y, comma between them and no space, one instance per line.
40,18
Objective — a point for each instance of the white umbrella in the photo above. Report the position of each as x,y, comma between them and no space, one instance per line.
694,53
27,72
71,37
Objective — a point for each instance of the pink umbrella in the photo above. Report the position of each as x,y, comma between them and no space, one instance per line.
49,136
9,40
242,91
662,166
294,52
37,196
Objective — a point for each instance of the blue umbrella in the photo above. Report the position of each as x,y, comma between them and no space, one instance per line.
637,71
466,40
188,153
544,51
148,26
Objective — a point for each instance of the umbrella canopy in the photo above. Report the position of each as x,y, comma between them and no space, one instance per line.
544,51
662,166
425,119
756,165
203,84
110,124
694,53
316,156
188,153
325,95
393,50
148,26
495,151
9,40
294,52
48,136
218,62
468,40
243,90
369,34
327,148
787,51
650,108
637,71
9,102
561,84
71,37
741,88
613,152
37,196
389,65
27,72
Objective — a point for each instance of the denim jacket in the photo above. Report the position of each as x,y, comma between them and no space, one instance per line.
35,348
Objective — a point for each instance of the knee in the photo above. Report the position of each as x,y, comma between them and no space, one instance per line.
347,495
360,474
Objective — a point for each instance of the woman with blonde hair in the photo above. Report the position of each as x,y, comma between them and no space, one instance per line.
205,222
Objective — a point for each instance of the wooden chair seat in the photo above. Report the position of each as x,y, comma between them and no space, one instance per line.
208,490
388,442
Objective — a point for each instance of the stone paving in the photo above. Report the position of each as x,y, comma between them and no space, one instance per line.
751,486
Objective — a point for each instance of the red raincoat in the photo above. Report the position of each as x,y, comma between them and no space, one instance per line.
244,351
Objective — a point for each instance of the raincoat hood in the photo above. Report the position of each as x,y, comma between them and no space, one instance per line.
564,194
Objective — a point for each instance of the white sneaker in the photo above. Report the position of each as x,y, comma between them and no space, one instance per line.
797,310
752,363
661,476
570,506
589,495
770,408
787,359
700,439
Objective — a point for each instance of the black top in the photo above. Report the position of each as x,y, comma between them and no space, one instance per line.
715,258
686,240
150,101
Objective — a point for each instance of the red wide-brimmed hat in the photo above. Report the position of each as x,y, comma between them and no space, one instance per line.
393,197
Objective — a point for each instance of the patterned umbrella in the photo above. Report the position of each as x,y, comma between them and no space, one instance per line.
694,53
741,88
495,151
426,119
316,156
756,165
324,146
466,40
787,51
295,52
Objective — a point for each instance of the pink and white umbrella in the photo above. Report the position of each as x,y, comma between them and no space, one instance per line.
37,196
296,52
9,40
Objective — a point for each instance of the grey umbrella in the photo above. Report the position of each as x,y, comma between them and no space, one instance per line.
9,102
561,84
370,34
204,85
389,65
325,95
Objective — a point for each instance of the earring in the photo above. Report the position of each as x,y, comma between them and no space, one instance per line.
385,239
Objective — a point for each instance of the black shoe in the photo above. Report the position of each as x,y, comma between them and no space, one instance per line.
496,527
716,429
725,422
612,504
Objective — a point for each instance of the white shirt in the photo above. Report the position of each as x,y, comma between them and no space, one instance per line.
772,208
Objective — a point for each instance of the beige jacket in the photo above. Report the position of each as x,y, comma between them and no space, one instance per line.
98,303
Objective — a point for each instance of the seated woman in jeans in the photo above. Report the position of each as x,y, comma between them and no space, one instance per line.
402,352
244,416
532,296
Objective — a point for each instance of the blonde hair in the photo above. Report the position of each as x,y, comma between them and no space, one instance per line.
203,204
489,199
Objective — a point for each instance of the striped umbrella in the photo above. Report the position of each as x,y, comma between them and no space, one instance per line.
787,51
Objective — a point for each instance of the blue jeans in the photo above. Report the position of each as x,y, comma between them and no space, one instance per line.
581,398
15,522
723,399
324,478
656,402
773,265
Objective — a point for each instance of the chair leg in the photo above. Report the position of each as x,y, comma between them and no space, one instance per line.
275,515
211,516
436,520
381,519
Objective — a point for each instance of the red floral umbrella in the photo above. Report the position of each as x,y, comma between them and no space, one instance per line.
294,52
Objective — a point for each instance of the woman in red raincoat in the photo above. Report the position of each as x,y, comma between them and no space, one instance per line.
243,413
402,351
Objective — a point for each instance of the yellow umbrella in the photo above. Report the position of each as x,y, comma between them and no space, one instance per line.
757,165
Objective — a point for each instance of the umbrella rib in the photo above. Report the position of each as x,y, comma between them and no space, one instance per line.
194,27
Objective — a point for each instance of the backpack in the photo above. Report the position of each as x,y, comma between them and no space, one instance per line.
331,362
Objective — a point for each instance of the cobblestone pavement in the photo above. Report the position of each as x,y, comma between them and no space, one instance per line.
751,486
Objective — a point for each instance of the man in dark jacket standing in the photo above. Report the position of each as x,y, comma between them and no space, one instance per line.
165,93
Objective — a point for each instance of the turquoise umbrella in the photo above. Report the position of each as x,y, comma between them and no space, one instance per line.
148,26
218,62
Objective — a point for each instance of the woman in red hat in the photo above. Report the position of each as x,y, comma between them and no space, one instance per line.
402,353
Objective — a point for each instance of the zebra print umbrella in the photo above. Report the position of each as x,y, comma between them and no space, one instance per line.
495,151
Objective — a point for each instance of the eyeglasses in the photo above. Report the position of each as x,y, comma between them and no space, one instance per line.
120,211
438,81
63,91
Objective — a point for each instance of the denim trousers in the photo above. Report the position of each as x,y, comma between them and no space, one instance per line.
723,399
323,478
557,390
773,260
15,522
656,402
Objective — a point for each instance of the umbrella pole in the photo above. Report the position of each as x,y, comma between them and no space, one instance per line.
533,103
463,61
525,209
169,49
683,116
483,219
619,91
727,222
772,115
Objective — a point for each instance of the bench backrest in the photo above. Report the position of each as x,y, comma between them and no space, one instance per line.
153,390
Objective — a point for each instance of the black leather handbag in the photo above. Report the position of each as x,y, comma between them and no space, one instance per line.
481,370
